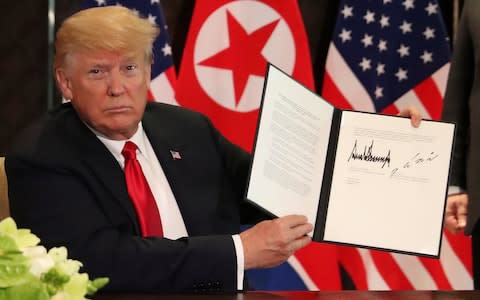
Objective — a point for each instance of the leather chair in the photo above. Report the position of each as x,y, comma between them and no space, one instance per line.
4,206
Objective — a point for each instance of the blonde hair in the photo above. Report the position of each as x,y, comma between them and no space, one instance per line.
108,28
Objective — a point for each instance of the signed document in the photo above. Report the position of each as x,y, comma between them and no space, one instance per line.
363,179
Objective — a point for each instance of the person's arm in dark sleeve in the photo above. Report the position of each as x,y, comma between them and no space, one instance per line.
75,220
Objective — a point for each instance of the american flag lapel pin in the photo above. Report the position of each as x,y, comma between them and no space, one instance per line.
175,154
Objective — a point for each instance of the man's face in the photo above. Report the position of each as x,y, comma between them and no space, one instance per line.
108,90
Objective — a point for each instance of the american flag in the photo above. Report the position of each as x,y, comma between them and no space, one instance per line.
162,87
386,55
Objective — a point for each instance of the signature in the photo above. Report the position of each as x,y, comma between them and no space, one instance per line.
417,160
367,155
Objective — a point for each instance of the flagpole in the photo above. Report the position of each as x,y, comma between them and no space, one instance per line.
51,31
455,17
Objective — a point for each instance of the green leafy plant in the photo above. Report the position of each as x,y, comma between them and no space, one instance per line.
29,272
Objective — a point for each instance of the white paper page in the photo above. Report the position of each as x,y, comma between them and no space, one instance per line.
290,150
389,183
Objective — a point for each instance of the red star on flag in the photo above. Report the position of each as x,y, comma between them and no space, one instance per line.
225,56
244,55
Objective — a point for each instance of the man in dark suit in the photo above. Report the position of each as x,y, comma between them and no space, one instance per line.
67,181
462,106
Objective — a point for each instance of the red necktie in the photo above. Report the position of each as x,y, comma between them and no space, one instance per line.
140,193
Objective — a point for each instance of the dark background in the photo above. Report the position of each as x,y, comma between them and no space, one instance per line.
24,50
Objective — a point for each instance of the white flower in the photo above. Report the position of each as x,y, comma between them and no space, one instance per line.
64,265
55,277
40,261
60,296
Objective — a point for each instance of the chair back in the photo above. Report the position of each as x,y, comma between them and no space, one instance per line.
4,206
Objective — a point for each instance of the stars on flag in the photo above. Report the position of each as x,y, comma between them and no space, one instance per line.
401,74
346,35
378,92
347,11
382,45
365,64
152,19
427,57
406,27
384,21
431,8
403,50
429,33
367,40
390,44
380,69
369,17
167,50
408,4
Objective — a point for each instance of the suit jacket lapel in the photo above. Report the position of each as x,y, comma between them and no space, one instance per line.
102,164
163,138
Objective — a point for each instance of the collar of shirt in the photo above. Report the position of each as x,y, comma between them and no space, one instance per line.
116,146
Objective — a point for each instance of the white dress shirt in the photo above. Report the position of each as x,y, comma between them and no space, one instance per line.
172,221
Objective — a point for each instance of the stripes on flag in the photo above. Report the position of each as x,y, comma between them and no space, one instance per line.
385,271
162,87
349,93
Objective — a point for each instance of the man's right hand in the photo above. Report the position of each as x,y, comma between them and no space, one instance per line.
456,212
270,243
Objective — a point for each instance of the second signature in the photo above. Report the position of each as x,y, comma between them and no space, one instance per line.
417,160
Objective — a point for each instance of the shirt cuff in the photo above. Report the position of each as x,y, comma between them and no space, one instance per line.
240,260
453,189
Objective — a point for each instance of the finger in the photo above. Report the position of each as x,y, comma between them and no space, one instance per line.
299,243
415,120
289,234
295,226
413,113
291,221
301,230
461,216
451,224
